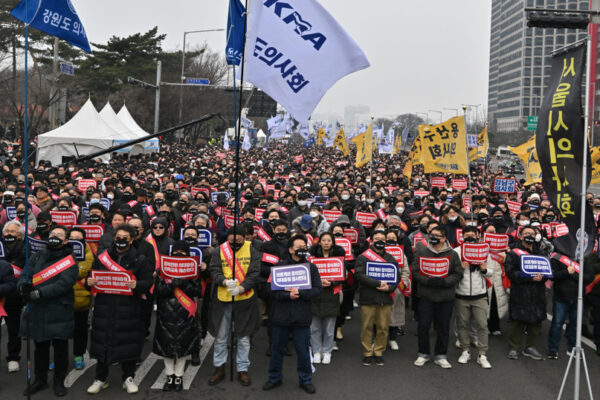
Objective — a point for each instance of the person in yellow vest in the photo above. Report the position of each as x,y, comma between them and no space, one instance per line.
83,300
240,282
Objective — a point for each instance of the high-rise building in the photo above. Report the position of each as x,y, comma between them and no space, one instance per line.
355,114
520,60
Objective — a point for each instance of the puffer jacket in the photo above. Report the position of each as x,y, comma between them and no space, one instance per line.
83,298
566,285
498,286
437,289
369,294
176,333
472,284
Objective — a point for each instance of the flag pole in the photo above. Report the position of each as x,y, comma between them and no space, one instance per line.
464,107
238,121
577,352
25,145
371,161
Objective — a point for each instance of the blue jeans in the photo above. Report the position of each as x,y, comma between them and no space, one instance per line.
560,312
220,351
321,334
280,337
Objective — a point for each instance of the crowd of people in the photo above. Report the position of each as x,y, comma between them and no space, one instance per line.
296,205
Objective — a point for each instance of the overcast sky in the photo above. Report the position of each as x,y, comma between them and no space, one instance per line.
425,55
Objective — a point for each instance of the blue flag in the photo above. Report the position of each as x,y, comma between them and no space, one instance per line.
235,33
55,17
309,142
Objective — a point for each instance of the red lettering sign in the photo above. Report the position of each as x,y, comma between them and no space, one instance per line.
561,230
83,184
459,184
258,213
195,190
64,218
497,241
398,253
345,243
438,182
179,267
421,193
351,234
434,267
112,282
93,233
475,253
331,268
331,215
513,206
365,218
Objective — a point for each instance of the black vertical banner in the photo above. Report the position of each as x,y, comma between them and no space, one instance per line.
560,148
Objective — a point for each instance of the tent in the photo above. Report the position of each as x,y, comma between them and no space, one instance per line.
123,133
83,134
151,145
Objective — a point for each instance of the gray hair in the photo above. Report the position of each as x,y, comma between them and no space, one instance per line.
18,224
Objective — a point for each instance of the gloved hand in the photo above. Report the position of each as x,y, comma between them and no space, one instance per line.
230,283
29,293
177,282
435,282
236,290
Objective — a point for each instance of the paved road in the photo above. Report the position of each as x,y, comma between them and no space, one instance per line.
345,378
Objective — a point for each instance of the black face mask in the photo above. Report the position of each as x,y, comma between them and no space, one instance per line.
281,236
287,205
42,226
159,202
169,192
470,240
54,242
434,240
10,239
19,200
191,241
301,253
414,226
21,215
529,239
423,228
550,218
121,244
73,198
391,243
236,246
443,198
248,196
498,219
533,220
95,218
63,208
249,220
338,234
482,218
379,245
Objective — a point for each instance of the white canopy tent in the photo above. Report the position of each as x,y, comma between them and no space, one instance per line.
123,133
83,134
151,145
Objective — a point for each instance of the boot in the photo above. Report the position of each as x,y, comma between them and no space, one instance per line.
59,387
169,384
217,376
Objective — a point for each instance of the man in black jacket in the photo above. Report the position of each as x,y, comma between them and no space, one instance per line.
566,283
292,314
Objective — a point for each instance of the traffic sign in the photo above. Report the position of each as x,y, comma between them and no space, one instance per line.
197,81
66,68
532,122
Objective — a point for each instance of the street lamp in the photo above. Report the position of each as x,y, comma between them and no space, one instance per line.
183,66
436,111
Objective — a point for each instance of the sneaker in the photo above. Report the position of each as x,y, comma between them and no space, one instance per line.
420,361
442,362
338,334
553,355
496,333
335,346
464,357
326,358
532,353
513,355
483,361
401,331
569,352
169,384
317,358
13,366
379,361
394,345
130,385
457,344
97,387
367,361
79,363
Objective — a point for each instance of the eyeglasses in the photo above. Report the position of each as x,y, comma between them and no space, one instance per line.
158,227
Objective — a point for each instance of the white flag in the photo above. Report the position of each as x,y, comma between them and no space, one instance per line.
296,51
304,131
246,144
226,142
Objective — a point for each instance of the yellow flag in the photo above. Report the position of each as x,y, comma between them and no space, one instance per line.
321,135
444,147
407,171
528,154
483,145
595,156
364,147
397,145
340,142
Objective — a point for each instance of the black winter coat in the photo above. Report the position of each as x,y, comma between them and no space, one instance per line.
176,333
565,284
276,249
15,255
117,326
8,282
327,304
527,302
295,313
369,294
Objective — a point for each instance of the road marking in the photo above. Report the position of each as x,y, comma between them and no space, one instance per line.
145,367
191,371
584,340
76,374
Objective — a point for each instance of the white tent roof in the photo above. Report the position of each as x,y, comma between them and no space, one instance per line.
124,134
87,130
126,119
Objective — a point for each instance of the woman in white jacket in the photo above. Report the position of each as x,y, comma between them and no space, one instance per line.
497,293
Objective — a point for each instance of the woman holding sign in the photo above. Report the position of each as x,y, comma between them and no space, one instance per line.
326,307
176,334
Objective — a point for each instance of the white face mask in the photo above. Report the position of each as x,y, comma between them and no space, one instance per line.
471,223
370,201
345,197
452,219
314,214
524,222
110,196
301,203
382,206
399,210
538,237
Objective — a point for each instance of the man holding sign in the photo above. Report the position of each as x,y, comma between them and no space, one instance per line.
471,295
375,297
527,304
437,270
